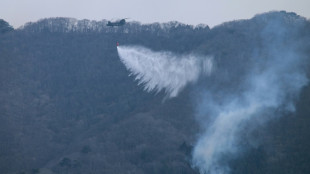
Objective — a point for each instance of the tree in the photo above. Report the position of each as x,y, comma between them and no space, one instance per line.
5,26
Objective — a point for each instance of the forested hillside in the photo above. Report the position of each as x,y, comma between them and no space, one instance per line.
67,104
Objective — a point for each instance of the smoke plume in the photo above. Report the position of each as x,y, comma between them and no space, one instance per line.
270,83
163,70
267,91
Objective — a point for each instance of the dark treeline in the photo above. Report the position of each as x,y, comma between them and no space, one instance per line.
67,104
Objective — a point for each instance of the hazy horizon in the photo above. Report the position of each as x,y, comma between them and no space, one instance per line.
189,12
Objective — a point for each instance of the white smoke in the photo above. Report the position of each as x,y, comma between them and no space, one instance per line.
272,84
163,70
266,90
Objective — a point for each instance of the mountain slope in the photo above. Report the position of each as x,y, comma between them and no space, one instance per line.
67,104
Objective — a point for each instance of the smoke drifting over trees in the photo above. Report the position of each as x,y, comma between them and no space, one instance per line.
67,104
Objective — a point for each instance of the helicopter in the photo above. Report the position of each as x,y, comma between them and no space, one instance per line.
117,23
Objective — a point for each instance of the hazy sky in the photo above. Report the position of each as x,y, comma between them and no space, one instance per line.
211,12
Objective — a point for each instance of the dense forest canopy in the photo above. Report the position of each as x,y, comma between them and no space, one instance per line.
67,104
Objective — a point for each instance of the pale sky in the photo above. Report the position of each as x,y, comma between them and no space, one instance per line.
210,12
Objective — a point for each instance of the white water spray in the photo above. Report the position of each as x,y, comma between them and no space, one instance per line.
164,70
